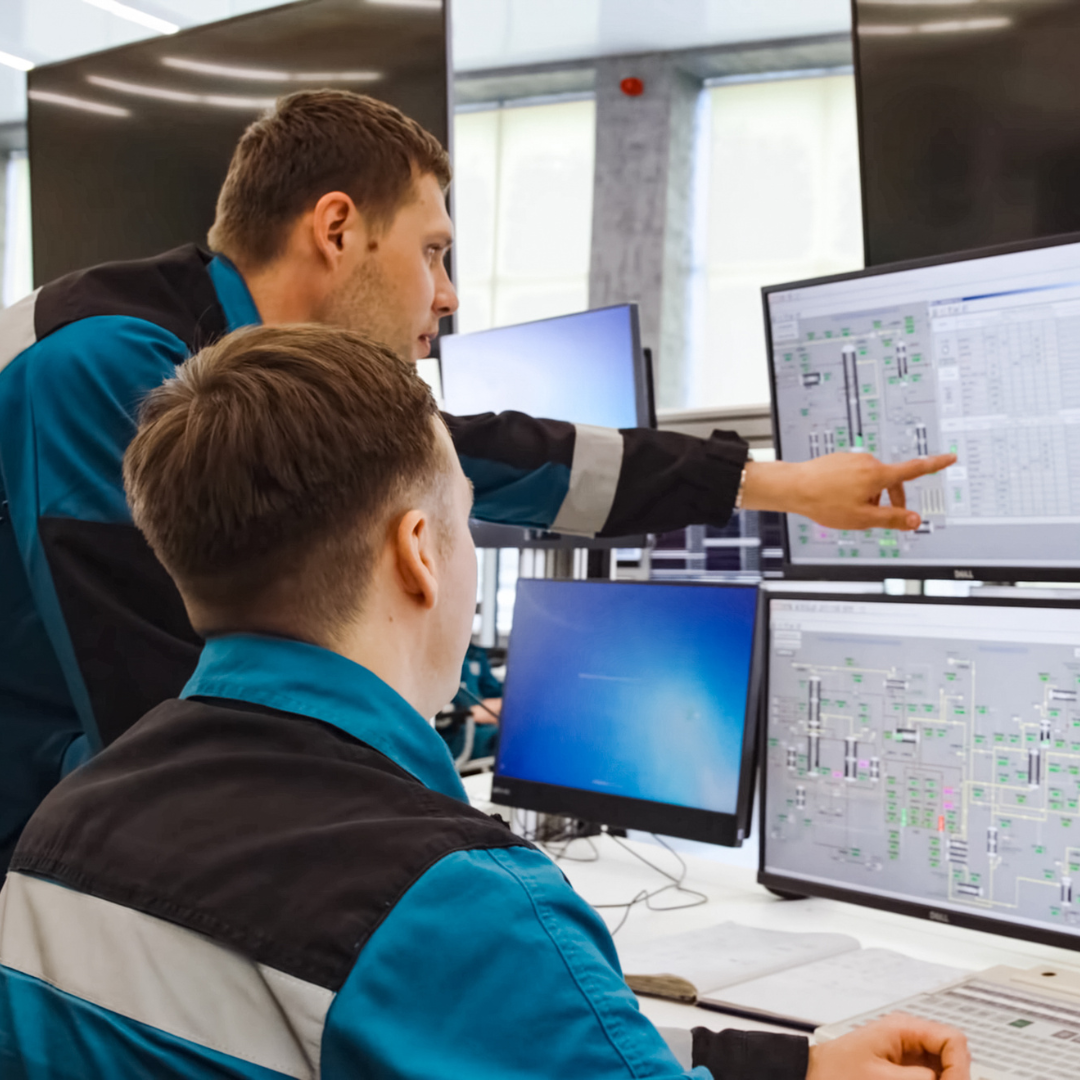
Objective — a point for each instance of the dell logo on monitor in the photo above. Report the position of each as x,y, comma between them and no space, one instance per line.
964,575
938,916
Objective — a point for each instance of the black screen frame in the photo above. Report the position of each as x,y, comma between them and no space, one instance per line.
642,377
688,823
73,175
793,886
869,571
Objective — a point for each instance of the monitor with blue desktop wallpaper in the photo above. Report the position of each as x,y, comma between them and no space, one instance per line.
587,368
632,704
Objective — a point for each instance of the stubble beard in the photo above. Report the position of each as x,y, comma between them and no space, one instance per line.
365,303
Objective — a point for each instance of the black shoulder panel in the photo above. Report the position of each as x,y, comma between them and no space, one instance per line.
133,641
173,291
274,834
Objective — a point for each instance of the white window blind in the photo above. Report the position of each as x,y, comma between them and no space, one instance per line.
523,207
17,263
781,202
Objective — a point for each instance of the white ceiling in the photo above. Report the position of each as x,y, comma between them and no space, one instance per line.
487,33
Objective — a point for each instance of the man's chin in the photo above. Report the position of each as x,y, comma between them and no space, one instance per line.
422,348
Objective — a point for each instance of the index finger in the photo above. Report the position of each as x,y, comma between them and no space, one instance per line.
916,467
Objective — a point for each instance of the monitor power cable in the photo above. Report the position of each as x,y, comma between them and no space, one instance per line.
557,844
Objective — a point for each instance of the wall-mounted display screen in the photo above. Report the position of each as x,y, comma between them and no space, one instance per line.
967,122
129,147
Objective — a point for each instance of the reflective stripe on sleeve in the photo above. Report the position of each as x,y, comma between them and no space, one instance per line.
594,477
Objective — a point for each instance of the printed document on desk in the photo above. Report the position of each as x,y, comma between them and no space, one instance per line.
723,955
810,978
837,987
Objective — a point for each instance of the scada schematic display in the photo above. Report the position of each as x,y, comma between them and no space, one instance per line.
929,753
980,358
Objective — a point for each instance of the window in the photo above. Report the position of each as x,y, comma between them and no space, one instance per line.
779,200
17,272
523,205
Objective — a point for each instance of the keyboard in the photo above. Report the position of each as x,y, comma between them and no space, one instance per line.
1016,1030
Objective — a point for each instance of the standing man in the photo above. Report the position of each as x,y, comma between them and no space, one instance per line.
333,212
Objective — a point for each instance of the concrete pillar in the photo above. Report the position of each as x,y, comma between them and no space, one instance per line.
642,205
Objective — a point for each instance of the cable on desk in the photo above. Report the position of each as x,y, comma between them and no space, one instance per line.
556,842
645,896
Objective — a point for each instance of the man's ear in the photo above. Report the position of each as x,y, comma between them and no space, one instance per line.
413,542
335,221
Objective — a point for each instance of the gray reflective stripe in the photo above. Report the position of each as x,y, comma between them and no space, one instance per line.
162,975
17,328
594,476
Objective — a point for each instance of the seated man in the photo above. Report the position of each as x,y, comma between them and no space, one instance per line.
277,874
479,698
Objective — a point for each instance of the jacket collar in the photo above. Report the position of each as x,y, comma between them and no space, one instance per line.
295,677
233,294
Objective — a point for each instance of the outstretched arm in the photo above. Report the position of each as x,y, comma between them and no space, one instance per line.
839,491
591,481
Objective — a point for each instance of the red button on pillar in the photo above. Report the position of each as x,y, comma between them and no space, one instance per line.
632,87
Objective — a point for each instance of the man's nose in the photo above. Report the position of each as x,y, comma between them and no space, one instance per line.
446,298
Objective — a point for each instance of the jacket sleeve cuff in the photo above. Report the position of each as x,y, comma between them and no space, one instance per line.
751,1055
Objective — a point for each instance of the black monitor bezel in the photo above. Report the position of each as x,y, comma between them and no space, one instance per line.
642,386
870,571
688,823
796,886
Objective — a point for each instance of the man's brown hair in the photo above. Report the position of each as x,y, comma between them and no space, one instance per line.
265,472
314,142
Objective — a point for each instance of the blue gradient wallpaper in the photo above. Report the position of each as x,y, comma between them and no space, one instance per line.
578,368
633,690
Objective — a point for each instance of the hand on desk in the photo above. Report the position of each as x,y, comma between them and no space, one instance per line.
839,491
899,1047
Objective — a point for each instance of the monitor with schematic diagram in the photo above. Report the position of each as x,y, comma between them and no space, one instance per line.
977,354
632,704
924,756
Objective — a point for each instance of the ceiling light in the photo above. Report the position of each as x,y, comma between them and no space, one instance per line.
953,26
431,5
126,11
259,75
228,101
78,103
223,101
143,91
959,26
16,62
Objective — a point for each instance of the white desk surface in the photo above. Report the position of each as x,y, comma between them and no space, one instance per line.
735,896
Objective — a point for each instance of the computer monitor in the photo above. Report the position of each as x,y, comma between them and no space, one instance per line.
923,756
587,368
978,354
632,704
